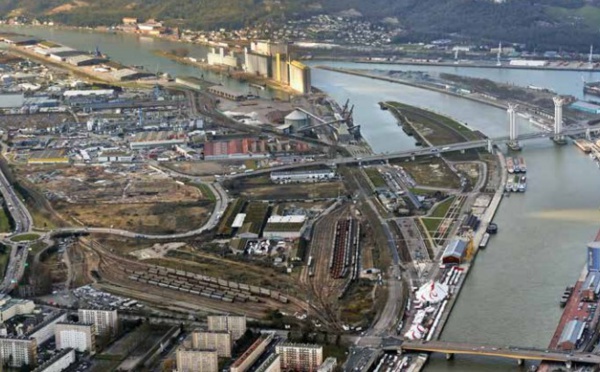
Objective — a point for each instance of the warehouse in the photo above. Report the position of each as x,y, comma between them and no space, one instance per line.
87,93
236,148
157,139
85,60
571,335
585,107
11,100
284,227
303,176
591,287
19,40
454,252
230,94
115,157
64,55
190,82
48,157
128,74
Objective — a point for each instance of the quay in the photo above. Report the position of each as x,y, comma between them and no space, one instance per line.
584,66
411,84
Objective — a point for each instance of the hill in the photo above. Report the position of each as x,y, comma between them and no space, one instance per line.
542,24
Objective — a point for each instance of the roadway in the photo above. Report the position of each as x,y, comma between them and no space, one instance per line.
502,352
419,151
23,222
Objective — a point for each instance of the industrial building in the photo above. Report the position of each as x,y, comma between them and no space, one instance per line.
59,362
455,251
585,107
195,360
128,74
220,341
258,64
300,357
303,176
16,351
571,335
300,79
10,307
249,357
593,260
328,365
48,156
296,120
45,330
527,63
85,60
157,139
284,227
115,156
271,364
106,322
190,82
11,100
591,287
220,58
19,40
79,336
224,92
269,48
236,148
236,324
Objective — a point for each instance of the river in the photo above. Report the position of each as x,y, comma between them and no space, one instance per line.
511,296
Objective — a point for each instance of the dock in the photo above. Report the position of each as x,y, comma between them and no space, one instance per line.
584,145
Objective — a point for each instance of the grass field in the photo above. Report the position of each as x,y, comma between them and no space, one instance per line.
4,257
4,222
442,208
375,177
437,129
25,237
431,224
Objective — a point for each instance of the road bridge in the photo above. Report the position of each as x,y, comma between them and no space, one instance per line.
511,352
460,146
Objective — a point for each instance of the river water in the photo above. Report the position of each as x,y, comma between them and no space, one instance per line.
511,296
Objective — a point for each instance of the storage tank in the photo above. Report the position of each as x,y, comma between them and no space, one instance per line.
593,260
297,119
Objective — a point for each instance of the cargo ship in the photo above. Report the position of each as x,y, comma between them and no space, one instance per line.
510,166
508,187
515,184
516,165
523,184
592,88
484,240
522,165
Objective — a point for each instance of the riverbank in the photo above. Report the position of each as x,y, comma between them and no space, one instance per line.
240,76
412,84
430,128
472,64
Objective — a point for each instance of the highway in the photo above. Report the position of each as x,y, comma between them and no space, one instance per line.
503,352
23,223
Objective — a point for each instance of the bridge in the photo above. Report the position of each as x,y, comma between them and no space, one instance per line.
459,146
511,352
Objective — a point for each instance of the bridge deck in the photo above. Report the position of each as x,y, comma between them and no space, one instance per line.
503,352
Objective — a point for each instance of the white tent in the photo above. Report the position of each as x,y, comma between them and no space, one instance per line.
432,292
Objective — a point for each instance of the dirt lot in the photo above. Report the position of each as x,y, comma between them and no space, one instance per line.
113,185
261,188
432,172
157,218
